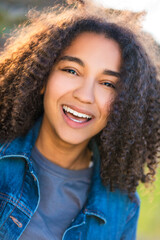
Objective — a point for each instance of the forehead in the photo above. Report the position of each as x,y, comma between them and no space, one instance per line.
95,48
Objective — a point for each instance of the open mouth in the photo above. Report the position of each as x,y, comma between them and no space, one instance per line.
76,116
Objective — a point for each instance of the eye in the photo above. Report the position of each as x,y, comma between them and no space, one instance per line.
108,84
71,71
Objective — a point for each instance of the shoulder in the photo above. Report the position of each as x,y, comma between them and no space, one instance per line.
120,203
126,201
120,211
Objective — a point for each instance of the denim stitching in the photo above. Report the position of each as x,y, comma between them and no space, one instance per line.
17,206
14,206
2,147
7,196
2,205
6,147
15,202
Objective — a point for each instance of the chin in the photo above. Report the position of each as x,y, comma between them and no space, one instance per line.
74,140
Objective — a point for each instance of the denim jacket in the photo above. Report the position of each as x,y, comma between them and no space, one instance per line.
105,216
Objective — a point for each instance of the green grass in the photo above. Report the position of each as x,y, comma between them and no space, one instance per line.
149,221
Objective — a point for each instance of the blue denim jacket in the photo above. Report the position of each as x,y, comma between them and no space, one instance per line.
105,216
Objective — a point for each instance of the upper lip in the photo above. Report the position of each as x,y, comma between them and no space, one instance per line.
80,110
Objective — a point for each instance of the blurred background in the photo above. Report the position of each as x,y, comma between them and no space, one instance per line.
13,13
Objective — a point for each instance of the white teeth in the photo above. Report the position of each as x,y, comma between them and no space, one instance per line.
75,113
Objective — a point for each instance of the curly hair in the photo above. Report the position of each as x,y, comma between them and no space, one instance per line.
129,144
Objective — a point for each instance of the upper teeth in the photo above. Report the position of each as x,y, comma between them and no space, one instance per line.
75,113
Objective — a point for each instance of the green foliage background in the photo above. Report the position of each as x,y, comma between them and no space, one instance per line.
12,13
149,221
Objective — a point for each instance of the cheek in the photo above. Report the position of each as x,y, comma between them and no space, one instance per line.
55,88
105,102
59,84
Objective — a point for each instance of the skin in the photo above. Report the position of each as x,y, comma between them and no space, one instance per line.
84,78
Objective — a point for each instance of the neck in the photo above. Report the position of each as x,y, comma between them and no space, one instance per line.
66,155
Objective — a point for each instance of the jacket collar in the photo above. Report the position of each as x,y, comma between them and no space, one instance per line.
22,147
96,202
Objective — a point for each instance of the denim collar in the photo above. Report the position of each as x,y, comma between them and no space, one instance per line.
22,147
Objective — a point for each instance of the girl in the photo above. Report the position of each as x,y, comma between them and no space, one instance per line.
79,125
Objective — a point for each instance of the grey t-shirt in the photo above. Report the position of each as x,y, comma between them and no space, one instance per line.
63,193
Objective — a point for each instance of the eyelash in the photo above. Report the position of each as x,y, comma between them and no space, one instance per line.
109,85
71,71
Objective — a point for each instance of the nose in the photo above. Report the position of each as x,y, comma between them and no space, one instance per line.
85,92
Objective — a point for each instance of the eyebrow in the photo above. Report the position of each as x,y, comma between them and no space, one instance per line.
112,73
80,62
72,59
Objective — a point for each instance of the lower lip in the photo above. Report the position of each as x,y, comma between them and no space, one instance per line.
73,124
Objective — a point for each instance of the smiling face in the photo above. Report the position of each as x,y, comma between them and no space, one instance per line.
81,88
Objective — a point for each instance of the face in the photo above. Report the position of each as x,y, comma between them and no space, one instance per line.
81,88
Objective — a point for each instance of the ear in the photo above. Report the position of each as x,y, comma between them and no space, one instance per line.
42,90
